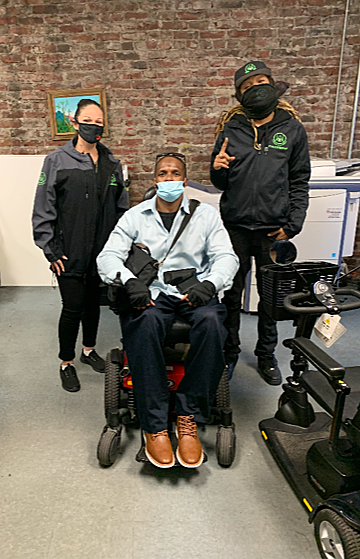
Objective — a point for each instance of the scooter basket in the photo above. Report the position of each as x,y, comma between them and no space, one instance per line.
278,282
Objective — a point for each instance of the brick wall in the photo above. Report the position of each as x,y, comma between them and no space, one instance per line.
168,70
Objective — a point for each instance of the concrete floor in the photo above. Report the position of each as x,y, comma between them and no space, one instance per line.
57,503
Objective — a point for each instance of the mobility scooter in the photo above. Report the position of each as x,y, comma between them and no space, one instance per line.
318,453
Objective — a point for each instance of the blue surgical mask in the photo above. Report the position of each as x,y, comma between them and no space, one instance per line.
170,190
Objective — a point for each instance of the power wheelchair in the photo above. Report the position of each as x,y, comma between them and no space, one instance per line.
120,405
318,452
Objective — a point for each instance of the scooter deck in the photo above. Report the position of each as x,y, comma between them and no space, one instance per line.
289,445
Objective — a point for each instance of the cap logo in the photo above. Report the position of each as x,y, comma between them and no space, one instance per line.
249,68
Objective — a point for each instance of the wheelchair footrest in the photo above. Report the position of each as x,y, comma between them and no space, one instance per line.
141,456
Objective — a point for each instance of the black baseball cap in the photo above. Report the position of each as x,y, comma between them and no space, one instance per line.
250,69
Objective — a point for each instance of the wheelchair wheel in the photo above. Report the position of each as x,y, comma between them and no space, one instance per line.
334,537
108,447
222,399
112,384
225,446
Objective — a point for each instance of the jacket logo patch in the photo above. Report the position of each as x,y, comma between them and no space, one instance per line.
249,68
113,181
279,140
42,179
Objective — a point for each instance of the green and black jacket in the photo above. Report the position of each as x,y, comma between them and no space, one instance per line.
77,205
267,188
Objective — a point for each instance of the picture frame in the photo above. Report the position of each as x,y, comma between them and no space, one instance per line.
63,103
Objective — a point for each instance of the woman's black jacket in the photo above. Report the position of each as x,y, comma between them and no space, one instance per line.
72,216
265,189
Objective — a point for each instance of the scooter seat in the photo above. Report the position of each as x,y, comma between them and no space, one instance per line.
319,388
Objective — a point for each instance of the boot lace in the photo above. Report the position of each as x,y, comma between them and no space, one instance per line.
187,426
163,433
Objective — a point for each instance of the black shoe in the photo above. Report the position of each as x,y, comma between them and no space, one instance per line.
69,379
269,370
93,359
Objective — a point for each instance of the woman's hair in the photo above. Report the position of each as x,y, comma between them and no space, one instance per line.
84,103
225,116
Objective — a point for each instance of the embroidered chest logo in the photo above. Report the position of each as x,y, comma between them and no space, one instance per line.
279,141
249,68
113,181
42,179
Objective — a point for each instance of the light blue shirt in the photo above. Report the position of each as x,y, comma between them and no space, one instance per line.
204,245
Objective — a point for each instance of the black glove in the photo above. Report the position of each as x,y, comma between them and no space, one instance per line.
201,293
138,293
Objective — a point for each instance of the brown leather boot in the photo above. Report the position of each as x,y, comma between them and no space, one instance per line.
158,449
189,451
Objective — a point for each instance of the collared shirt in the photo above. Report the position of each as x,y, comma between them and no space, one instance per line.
204,245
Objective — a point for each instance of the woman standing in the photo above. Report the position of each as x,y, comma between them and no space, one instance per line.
79,199
261,163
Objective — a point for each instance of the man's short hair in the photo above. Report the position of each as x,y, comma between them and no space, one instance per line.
180,156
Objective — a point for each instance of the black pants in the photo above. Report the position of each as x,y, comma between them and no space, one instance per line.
248,243
144,334
81,303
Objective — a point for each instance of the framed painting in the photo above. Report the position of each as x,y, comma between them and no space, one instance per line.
62,107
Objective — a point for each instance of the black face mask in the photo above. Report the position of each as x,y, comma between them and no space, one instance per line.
259,101
91,133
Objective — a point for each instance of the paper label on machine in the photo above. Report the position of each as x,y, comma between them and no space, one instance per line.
328,329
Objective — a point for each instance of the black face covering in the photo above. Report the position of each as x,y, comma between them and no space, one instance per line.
91,133
259,101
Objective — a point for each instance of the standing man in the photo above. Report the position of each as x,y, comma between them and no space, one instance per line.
261,162
203,248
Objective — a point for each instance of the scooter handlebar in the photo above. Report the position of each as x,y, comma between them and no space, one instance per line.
302,297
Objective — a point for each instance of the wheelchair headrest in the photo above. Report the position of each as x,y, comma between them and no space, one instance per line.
150,193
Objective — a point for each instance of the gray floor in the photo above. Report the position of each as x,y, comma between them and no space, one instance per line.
56,502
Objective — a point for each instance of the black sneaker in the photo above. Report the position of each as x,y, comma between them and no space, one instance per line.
93,359
269,370
69,379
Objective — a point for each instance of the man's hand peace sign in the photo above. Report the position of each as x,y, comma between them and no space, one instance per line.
222,159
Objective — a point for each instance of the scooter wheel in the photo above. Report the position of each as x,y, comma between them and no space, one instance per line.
112,385
334,537
108,448
225,446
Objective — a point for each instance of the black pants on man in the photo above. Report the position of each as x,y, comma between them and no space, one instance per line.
247,243
81,303
144,334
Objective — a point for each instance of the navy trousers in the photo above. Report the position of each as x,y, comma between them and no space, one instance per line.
248,243
144,334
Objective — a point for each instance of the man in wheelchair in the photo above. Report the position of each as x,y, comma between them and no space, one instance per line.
191,272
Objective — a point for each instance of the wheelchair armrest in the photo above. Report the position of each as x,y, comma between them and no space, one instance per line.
321,360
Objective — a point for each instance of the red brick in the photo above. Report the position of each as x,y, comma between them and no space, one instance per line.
135,15
72,28
219,82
